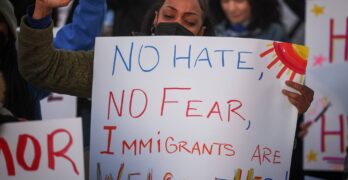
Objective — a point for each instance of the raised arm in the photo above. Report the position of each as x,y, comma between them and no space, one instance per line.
41,64
86,25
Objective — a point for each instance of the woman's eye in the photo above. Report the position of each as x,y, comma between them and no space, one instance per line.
191,23
168,16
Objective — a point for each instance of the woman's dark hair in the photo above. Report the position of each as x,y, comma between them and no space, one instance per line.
263,13
147,25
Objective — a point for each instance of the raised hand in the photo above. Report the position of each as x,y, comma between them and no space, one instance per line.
301,101
53,3
44,8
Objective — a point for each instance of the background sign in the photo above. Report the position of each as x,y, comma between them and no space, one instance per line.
327,35
41,150
58,106
193,108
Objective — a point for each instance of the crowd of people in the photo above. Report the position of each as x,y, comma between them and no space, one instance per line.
42,64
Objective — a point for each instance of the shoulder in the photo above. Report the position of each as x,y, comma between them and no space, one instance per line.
277,32
274,31
220,28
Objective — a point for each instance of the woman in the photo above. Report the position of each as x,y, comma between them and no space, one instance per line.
72,72
259,19
164,12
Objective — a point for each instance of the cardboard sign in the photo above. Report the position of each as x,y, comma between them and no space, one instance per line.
41,150
57,106
327,35
193,108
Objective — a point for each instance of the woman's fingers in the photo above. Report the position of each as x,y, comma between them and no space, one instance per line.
301,101
307,92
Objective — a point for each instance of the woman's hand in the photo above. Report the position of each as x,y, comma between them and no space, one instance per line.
301,101
304,128
43,8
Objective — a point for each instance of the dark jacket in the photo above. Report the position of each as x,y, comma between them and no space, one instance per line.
22,99
65,72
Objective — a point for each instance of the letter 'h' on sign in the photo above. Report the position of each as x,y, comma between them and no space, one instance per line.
334,37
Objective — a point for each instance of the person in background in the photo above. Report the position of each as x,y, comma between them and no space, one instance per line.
296,32
5,115
21,98
129,15
260,19
86,25
72,72
20,9
80,34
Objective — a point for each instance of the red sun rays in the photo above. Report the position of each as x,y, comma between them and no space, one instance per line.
292,57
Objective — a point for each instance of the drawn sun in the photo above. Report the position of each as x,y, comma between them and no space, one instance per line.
292,58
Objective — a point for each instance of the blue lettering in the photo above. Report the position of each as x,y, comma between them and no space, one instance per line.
223,56
118,51
242,62
158,58
179,58
206,58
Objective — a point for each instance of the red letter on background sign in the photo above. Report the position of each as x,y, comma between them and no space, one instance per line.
334,37
8,157
339,133
21,146
51,153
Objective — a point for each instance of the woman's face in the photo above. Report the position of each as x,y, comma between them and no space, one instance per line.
187,13
236,11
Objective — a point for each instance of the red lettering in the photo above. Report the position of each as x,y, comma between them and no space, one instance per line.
175,147
52,153
182,145
142,144
266,152
276,157
164,99
119,111
334,37
21,146
8,157
120,171
196,148
131,103
159,143
219,144
110,129
129,147
229,148
212,110
205,149
189,108
339,133
257,154
233,110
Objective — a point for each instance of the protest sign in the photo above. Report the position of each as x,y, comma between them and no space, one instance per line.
327,36
41,150
193,108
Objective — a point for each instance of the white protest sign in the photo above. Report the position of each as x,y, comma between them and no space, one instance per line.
57,106
327,36
41,150
192,108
